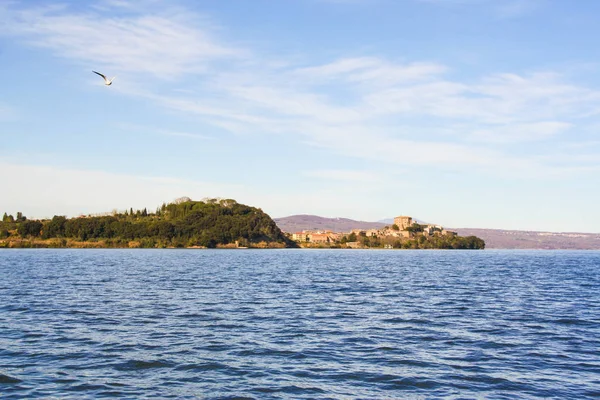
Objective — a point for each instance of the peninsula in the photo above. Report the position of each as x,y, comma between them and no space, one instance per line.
212,223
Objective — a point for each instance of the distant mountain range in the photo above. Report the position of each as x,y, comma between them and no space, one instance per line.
298,223
494,238
506,239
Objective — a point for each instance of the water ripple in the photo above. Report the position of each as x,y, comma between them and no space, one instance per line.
86,324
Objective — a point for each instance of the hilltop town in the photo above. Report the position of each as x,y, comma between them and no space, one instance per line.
403,233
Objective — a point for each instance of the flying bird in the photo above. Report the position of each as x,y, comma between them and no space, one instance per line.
107,81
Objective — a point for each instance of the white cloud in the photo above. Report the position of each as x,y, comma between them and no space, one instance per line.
513,133
163,46
183,134
370,70
473,117
159,131
501,9
403,113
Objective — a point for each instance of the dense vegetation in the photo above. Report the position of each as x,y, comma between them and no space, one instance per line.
184,223
420,241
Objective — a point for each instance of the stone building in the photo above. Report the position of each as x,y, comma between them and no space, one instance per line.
403,222
300,237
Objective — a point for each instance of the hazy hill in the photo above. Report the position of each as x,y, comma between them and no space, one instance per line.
507,239
297,223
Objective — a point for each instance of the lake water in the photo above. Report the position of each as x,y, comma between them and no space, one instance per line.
299,324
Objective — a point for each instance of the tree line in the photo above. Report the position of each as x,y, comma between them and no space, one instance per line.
188,223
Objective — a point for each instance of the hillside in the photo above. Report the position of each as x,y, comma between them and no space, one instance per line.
186,223
298,223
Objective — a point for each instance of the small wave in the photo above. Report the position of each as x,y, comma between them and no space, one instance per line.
271,353
360,340
571,321
290,389
86,387
412,363
386,348
412,383
14,308
485,379
133,365
414,321
199,317
33,335
210,366
5,379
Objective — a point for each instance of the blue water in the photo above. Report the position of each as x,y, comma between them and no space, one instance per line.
299,324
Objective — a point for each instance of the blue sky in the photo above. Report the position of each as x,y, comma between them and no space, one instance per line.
466,113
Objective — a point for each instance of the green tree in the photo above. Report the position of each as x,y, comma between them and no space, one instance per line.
29,228
55,227
414,228
190,223
395,227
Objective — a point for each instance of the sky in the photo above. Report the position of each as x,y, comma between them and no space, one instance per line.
463,113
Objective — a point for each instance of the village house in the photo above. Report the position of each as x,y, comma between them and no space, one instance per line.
403,222
319,238
373,232
299,237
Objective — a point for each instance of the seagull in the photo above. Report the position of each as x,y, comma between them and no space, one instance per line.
107,82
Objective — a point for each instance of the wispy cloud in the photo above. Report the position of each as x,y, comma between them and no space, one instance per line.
128,127
501,9
343,175
403,113
517,8
369,70
183,134
472,116
513,133
163,46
